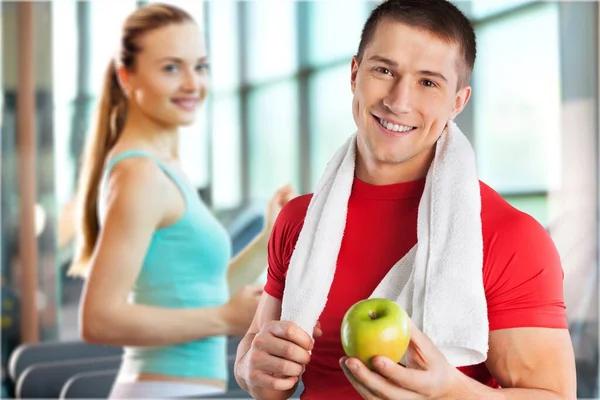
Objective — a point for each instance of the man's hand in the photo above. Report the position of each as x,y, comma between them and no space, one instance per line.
277,356
427,375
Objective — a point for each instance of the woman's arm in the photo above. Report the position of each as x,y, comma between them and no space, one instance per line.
136,206
251,262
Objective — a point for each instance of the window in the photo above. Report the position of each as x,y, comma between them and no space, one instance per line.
64,70
331,111
272,50
227,152
484,8
517,102
273,123
334,30
223,45
224,57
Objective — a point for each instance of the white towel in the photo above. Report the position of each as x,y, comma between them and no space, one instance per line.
439,282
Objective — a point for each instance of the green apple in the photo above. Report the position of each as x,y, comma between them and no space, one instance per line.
375,327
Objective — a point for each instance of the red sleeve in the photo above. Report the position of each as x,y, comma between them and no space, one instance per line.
282,243
523,276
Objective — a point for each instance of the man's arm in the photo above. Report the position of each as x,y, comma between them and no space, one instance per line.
532,363
530,350
289,340
269,309
529,363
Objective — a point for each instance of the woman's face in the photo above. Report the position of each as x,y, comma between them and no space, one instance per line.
169,80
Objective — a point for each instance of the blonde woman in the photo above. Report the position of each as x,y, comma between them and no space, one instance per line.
156,262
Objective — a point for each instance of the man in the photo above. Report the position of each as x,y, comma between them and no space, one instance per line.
412,70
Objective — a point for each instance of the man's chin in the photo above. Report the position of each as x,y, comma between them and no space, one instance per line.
390,159
383,154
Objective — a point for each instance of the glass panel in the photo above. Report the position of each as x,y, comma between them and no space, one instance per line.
518,101
64,77
484,8
331,111
64,36
272,47
223,45
226,152
273,138
334,29
464,6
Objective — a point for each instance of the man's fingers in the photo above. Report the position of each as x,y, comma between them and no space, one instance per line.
279,366
420,339
281,348
418,348
293,333
360,388
317,331
378,386
267,381
411,379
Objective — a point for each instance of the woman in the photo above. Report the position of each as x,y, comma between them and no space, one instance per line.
157,262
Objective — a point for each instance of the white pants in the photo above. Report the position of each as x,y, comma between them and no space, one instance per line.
160,390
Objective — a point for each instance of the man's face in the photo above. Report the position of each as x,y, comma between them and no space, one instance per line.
404,93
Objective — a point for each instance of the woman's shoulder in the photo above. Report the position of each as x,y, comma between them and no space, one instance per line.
134,174
134,184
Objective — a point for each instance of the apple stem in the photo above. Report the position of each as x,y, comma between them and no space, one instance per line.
372,314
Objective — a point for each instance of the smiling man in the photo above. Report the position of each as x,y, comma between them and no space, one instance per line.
410,77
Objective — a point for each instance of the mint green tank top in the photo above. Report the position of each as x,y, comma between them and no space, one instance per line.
185,267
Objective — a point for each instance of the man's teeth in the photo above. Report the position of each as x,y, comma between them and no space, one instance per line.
395,127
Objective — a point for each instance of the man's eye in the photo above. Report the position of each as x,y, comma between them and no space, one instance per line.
383,70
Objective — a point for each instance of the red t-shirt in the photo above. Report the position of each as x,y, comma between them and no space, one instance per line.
522,273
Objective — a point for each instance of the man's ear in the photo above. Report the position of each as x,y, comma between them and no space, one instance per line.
460,101
353,73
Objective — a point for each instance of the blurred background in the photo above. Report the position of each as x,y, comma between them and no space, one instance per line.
280,105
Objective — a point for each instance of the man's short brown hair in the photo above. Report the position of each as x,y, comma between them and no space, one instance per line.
439,17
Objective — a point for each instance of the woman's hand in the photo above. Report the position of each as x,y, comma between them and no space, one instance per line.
239,311
278,200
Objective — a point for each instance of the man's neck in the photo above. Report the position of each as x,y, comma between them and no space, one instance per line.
378,173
